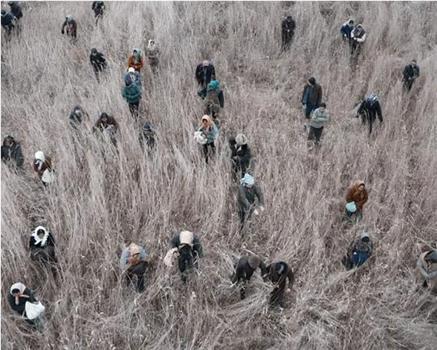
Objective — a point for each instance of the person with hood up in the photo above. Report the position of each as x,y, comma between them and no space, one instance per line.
288,27
318,119
205,72
99,8
427,267
358,36
134,76
132,94
346,30
410,74
107,125
147,136
214,99
98,62
311,96
369,109
8,21
71,25
42,165
76,116
15,9
136,60
244,270
206,135
359,251
23,301
357,194
42,248
152,53
278,272
133,263
248,193
242,156
11,151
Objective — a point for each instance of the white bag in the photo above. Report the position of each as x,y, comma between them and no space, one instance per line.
200,138
33,310
48,176
170,257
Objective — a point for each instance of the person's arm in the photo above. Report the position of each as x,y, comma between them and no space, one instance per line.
197,247
405,73
417,71
19,156
259,195
221,99
263,268
379,111
362,39
175,242
63,26
50,240
304,95
212,72
290,276
31,244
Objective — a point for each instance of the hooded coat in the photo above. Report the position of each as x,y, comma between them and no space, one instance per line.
98,61
312,95
346,30
18,304
354,194
278,273
132,93
211,132
71,28
136,61
204,74
12,153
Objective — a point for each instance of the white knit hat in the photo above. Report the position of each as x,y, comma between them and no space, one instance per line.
241,139
40,156
186,237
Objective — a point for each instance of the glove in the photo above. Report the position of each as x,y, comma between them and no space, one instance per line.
261,208
256,212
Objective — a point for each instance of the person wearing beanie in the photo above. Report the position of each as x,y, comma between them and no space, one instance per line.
132,94
410,74
248,194
205,72
357,194
136,60
107,125
98,62
42,165
11,151
214,99
318,118
188,249
242,156
369,108
346,30
244,270
288,28
358,36
359,251
98,7
133,263
152,52
71,27
210,133
278,272
19,299
311,96
427,267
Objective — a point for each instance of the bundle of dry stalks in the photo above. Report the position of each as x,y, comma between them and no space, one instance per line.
102,198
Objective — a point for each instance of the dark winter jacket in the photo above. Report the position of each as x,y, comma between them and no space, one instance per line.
245,268
196,246
98,61
49,243
411,72
8,21
346,30
102,126
205,74
76,116
288,25
372,108
280,279
13,153
312,94
71,28
248,195
98,8
20,307
132,93
16,10
243,157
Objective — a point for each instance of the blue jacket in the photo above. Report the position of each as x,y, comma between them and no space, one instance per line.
346,30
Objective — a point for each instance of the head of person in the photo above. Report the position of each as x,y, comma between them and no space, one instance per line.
350,22
151,43
40,231
93,51
213,85
361,185
431,257
40,156
3,13
414,62
206,121
11,3
365,237
289,18
247,180
147,129
104,118
241,140
322,106
205,63
359,26
77,111
312,81
8,141
17,289
69,18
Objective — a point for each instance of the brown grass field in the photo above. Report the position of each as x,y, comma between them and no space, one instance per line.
102,198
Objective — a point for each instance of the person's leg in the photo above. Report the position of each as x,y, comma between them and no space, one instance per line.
318,134
309,108
311,134
140,270
205,152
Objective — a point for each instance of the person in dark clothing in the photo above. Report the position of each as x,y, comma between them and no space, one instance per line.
15,9
42,248
107,125
98,62
19,296
189,251
147,136
241,157
248,192
410,74
311,96
346,30
76,116
133,263
358,36
214,100
369,109
132,94
358,252
205,72
278,273
11,151
71,25
8,21
244,270
98,7
288,27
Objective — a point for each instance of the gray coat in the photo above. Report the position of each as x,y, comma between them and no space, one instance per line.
247,197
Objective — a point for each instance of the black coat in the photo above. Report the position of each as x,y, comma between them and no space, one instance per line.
16,10
13,153
197,247
370,110
280,279
98,61
288,26
20,308
49,242
243,157
411,72
8,21
205,74
243,270
71,28
98,7
247,197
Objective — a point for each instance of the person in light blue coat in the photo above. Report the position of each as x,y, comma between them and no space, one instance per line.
210,132
318,118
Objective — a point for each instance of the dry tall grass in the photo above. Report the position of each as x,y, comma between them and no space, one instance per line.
96,203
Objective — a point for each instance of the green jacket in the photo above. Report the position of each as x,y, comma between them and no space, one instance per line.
132,93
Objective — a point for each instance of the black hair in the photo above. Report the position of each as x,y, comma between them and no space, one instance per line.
323,104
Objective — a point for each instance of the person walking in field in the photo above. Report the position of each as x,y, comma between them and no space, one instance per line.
427,267
16,10
133,263
11,152
214,100
206,136
318,119
147,137
359,252
107,126
136,60
358,37
98,62
99,8
42,165
69,27
357,194
369,108
42,248
244,270
205,72
311,96
250,199
278,273
410,74
288,27
241,157
76,116
152,53
132,94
